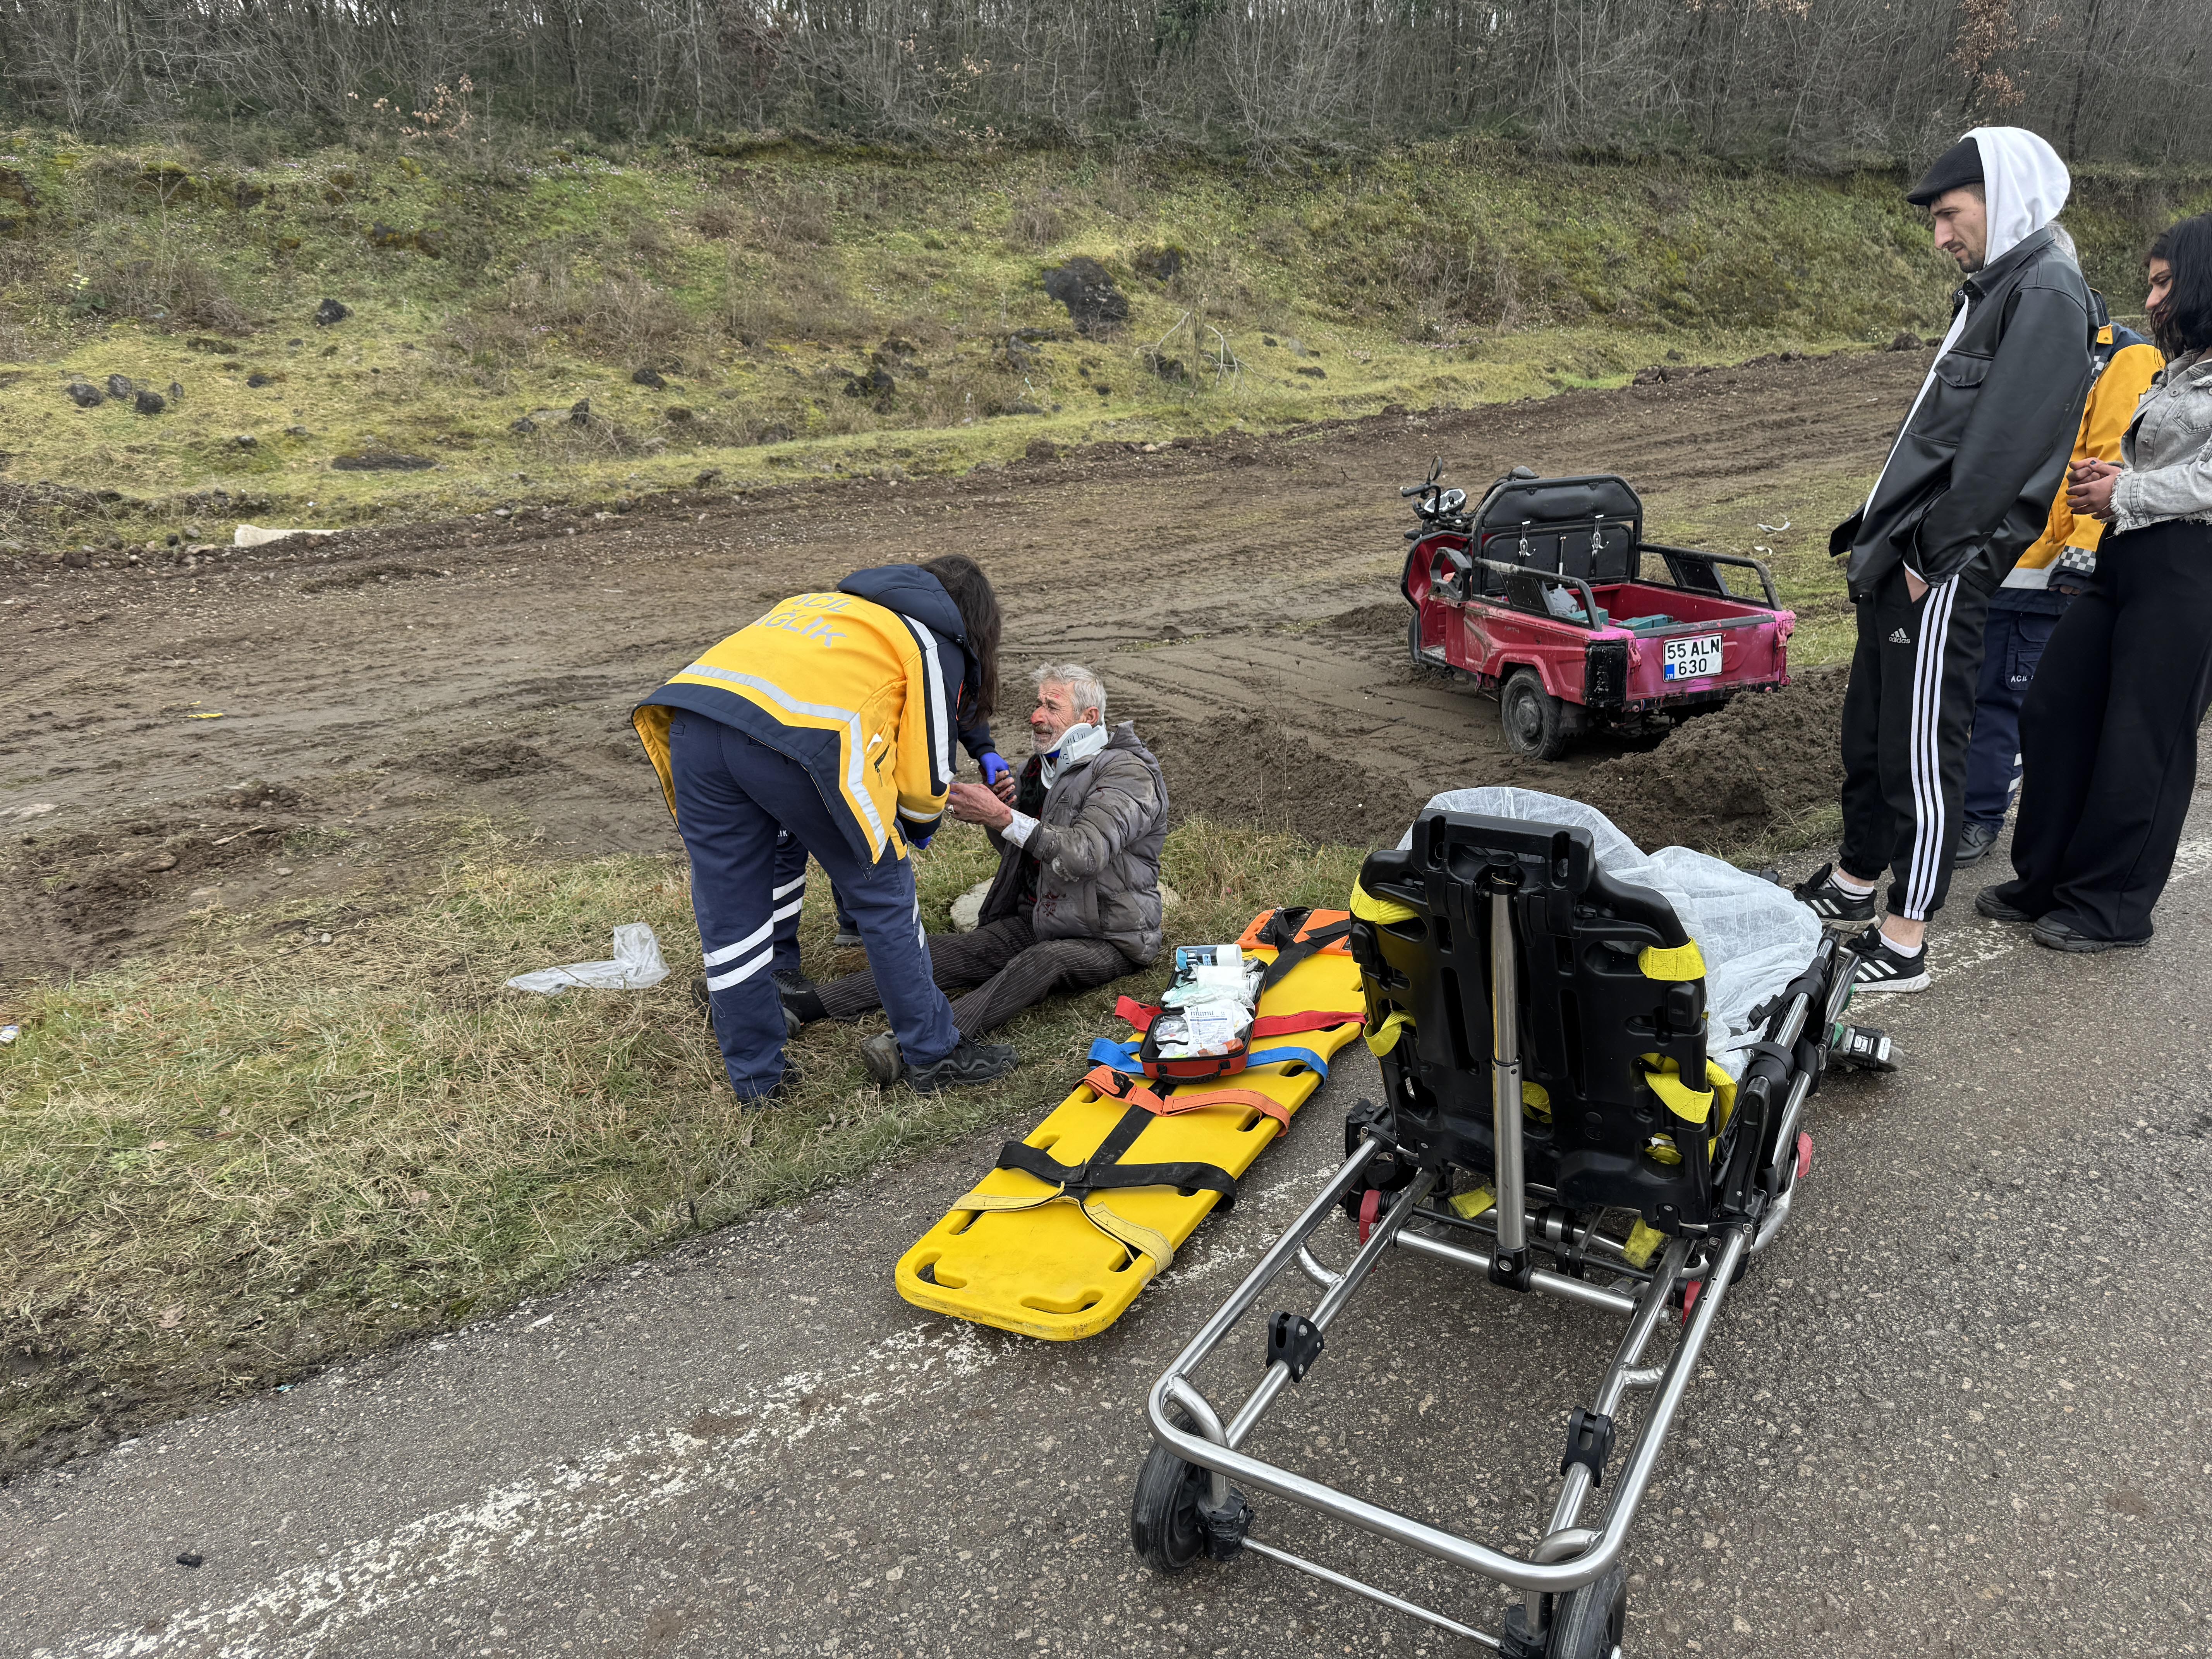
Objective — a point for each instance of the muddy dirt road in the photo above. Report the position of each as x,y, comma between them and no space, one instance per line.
1239,595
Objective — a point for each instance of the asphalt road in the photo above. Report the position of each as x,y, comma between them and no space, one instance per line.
1958,1407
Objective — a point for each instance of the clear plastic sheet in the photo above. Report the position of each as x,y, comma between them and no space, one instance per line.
1755,938
636,964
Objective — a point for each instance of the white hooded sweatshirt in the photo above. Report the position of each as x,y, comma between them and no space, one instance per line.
2024,185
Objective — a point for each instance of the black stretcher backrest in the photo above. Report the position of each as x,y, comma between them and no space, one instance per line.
1587,527
1589,1014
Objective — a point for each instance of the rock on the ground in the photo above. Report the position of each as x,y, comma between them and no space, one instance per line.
248,535
84,395
1096,305
332,312
149,402
649,378
119,386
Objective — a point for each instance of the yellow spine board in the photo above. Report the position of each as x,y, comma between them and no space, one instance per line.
1048,1272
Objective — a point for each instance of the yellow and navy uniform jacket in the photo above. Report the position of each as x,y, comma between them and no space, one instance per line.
2125,362
859,686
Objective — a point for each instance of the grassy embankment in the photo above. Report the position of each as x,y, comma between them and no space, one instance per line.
493,285
248,1157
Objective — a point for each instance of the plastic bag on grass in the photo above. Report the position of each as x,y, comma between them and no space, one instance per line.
636,964
1755,938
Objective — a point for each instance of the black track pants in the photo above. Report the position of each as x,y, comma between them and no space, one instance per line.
1009,967
1908,716
2109,735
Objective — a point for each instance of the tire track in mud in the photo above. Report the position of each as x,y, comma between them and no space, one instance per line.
1237,593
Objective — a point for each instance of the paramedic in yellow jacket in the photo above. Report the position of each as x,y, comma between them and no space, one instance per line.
2035,595
832,717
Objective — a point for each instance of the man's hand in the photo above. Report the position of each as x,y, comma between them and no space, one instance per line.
971,803
1914,589
2089,488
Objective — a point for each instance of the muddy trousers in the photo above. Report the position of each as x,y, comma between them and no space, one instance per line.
1908,717
1008,966
733,797
2109,733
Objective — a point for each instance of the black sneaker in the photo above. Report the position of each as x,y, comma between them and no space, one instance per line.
1987,903
1837,907
801,1003
1975,842
969,1064
847,940
1883,967
2057,936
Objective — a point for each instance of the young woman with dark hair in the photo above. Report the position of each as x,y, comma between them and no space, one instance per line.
2108,733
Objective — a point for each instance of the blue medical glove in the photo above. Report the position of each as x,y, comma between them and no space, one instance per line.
994,766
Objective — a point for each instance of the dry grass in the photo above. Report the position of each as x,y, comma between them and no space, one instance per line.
255,1155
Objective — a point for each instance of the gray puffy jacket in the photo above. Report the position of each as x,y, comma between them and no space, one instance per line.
1097,851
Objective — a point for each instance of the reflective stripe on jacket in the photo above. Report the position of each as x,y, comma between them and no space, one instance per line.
860,691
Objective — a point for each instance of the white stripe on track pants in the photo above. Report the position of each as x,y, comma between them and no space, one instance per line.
1908,716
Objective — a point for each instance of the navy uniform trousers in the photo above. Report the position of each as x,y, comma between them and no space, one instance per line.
734,796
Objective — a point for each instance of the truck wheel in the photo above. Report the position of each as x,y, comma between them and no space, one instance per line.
1536,723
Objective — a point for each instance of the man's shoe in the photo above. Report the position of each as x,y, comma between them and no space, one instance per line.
1975,842
1988,903
969,1064
880,1055
797,994
846,940
786,1086
2057,936
1836,906
1883,967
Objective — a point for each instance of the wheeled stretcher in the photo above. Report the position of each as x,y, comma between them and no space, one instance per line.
1551,1123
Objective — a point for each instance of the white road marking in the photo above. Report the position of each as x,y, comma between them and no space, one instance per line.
556,1506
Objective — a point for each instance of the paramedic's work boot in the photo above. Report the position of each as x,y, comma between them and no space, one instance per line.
1975,842
2057,936
1837,906
1883,967
1989,902
969,1064
847,938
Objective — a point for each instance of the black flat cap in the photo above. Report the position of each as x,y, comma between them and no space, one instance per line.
1962,164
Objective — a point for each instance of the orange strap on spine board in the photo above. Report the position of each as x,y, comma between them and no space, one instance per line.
1116,1085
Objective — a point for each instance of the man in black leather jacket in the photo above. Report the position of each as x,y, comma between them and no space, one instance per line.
1964,490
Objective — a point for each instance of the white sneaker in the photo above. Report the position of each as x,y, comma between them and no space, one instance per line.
1883,967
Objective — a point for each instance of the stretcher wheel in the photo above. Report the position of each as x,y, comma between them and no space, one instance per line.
1164,1524
1536,723
1590,1622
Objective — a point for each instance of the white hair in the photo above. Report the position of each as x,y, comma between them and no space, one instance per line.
1078,682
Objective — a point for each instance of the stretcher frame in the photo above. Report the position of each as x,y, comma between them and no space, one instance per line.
1569,1554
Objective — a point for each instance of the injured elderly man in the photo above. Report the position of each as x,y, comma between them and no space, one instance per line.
1077,899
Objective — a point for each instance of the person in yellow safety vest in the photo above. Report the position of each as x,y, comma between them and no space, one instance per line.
2024,610
831,720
